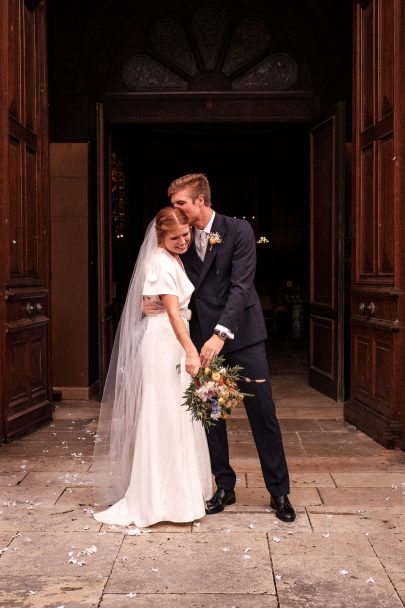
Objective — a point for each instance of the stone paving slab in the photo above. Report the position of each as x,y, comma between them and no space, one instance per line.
56,478
292,425
286,411
250,523
11,479
6,537
362,497
10,464
366,523
245,436
189,600
391,545
297,480
47,520
46,496
312,581
48,554
51,436
77,410
317,544
333,464
396,573
73,497
346,437
50,592
192,563
370,479
246,450
345,450
80,421
392,510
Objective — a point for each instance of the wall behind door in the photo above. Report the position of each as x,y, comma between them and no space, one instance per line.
69,264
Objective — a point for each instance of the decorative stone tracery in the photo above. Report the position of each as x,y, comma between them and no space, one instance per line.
241,59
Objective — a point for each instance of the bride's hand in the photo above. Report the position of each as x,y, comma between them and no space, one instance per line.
193,364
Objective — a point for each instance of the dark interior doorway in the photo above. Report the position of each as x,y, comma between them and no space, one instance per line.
257,172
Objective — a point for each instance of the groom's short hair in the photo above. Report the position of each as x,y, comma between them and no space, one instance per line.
198,182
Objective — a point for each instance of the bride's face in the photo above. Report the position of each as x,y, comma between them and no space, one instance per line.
177,241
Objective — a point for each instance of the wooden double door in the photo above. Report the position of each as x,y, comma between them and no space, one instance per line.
377,312
377,395
24,219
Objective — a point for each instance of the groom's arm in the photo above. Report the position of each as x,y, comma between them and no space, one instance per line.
243,269
152,306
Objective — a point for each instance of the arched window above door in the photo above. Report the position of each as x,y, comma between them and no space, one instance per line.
211,53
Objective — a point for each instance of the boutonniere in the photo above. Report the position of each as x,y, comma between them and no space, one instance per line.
215,239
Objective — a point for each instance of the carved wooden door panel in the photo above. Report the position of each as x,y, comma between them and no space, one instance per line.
326,307
377,301
24,215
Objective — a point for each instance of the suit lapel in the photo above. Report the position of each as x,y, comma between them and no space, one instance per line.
217,226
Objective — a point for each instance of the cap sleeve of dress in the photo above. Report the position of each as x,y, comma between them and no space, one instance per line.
160,276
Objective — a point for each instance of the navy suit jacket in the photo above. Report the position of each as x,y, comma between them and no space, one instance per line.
224,290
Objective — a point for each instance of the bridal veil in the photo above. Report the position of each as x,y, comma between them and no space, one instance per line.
119,410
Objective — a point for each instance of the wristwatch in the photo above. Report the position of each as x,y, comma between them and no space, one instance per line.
221,334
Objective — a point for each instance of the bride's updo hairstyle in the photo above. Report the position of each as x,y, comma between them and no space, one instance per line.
169,219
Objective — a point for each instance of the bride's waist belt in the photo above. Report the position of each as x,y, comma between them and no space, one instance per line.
186,313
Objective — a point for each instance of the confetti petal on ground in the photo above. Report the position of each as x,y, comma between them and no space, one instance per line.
133,532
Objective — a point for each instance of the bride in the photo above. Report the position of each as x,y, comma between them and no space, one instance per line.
150,459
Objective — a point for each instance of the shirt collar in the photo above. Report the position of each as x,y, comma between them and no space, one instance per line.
208,227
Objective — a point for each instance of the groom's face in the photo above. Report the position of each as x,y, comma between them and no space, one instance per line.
193,208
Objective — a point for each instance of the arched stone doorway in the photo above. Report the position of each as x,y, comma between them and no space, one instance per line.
217,70
211,68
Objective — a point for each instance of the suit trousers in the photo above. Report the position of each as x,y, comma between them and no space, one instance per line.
263,421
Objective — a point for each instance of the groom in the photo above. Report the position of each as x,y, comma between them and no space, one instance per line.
227,317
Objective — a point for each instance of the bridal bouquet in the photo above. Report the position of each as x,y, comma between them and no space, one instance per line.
214,392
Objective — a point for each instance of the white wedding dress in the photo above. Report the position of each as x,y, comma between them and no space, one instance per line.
171,474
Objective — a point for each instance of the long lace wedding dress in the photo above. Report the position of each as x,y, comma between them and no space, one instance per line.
171,475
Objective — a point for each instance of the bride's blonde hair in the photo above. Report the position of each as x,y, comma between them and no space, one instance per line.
167,219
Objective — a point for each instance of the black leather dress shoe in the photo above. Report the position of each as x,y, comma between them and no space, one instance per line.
218,502
283,508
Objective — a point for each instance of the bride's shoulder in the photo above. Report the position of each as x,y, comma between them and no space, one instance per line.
159,258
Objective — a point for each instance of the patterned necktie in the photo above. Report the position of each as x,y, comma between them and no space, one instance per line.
202,248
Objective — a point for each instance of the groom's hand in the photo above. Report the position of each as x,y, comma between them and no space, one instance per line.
210,349
152,307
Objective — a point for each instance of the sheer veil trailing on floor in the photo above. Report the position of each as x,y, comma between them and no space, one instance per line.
114,441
